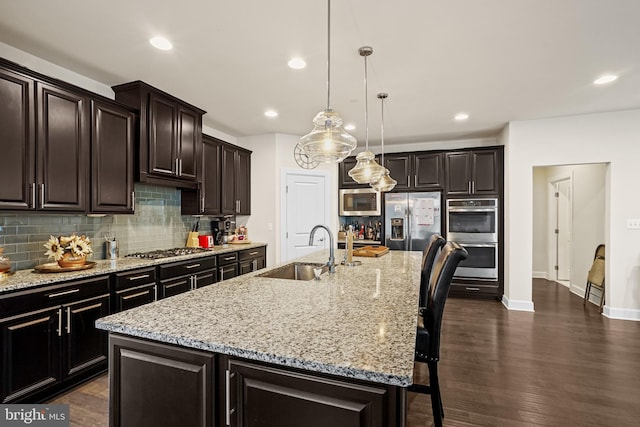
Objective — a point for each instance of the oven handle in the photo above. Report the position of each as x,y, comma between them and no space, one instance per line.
472,210
479,245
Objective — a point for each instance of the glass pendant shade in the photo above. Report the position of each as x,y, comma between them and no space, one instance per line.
385,183
328,141
366,170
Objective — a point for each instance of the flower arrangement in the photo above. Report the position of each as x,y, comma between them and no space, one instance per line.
76,246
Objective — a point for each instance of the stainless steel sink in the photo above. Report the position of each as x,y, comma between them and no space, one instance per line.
295,271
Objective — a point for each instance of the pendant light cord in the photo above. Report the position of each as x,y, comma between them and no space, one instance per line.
366,108
328,55
382,129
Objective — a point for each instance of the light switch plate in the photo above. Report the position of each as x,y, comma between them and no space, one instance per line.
633,224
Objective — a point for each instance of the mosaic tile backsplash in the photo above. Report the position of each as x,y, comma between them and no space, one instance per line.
156,224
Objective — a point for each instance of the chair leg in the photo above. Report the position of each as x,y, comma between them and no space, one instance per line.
602,299
587,291
436,398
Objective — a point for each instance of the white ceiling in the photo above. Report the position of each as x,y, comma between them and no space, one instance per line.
498,60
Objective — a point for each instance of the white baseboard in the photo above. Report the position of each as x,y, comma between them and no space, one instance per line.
517,305
621,313
539,274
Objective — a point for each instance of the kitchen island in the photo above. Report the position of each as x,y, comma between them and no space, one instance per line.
263,351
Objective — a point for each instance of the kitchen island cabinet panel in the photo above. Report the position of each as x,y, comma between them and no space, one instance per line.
160,385
17,144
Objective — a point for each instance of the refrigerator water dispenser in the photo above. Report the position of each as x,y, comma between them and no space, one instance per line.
397,228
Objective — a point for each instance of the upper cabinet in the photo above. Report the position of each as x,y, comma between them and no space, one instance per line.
170,135
344,180
112,151
236,180
474,172
206,199
421,171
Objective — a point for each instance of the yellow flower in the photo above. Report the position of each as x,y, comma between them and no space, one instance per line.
54,250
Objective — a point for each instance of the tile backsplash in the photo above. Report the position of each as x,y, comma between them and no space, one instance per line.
156,224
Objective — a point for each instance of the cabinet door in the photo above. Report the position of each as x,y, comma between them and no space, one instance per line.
399,166
163,150
17,143
111,158
228,179
176,286
344,180
205,278
135,297
486,172
86,346
243,183
211,180
249,265
428,173
188,140
263,395
458,173
30,352
63,149
227,271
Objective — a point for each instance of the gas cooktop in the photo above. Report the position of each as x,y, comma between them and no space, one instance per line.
167,253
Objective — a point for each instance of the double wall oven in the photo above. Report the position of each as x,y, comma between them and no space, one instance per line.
473,223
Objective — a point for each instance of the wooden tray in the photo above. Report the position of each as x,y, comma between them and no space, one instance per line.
53,267
371,251
240,242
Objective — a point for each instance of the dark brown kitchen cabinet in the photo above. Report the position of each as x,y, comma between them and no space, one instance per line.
63,149
267,395
134,288
17,144
251,260
422,171
160,385
236,180
48,341
227,265
178,277
206,199
170,135
112,145
474,172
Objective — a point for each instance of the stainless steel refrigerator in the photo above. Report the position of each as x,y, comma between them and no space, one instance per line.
410,219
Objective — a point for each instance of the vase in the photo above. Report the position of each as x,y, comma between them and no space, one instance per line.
71,260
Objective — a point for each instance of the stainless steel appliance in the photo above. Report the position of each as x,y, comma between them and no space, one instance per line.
359,202
167,253
473,223
410,219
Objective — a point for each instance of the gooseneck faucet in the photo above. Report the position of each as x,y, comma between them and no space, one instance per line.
332,260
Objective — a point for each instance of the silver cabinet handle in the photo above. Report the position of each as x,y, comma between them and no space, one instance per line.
59,294
42,196
254,265
68,320
139,294
230,258
192,266
177,167
142,276
227,399
180,163
202,204
253,253
194,282
472,289
415,180
155,292
133,200
33,195
59,322
408,181
221,273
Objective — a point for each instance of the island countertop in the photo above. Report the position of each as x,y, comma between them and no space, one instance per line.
359,322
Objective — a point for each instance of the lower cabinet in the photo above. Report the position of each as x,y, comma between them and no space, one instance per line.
251,260
48,340
183,276
227,265
211,389
134,288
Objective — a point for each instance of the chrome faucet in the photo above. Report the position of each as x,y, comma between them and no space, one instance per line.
332,260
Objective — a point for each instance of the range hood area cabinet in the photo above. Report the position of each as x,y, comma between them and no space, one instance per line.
48,131
170,135
224,187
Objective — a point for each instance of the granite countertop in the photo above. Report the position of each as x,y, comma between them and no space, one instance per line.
359,322
23,279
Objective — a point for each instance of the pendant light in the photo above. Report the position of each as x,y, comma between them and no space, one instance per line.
385,183
328,141
366,170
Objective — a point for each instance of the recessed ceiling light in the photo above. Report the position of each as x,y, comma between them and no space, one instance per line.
350,126
296,63
161,43
605,78
460,117
271,113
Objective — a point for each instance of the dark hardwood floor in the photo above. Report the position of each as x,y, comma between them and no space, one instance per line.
564,365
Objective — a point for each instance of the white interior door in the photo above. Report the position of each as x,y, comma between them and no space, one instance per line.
563,233
305,206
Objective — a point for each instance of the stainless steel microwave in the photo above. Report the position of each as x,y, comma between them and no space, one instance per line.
359,202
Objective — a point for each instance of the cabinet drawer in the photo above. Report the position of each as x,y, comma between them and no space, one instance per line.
477,290
32,299
205,278
135,278
251,253
135,297
183,268
227,271
173,287
228,258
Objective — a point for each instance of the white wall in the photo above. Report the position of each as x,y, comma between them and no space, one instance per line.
540,225
596,138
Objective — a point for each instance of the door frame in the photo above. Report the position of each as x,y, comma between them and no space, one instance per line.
284,174
553,222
